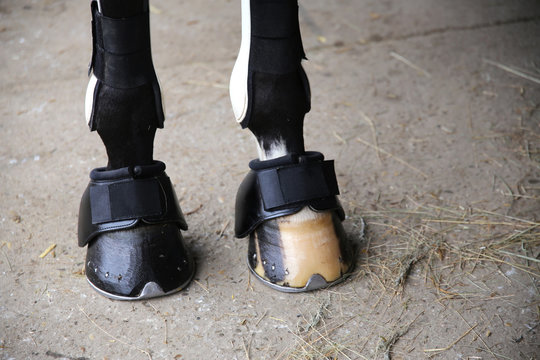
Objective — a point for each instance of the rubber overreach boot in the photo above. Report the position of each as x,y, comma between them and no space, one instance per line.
289,208
131,221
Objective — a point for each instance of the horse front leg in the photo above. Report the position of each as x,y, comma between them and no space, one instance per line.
287,204
129,216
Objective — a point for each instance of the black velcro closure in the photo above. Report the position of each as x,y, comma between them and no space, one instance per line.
121,55
274,19
123,71
276,44
125,36
131,199
298,183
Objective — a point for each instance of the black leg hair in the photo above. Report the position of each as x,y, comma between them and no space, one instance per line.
278,112
126,125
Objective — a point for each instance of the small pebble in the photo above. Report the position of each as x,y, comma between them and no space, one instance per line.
16,218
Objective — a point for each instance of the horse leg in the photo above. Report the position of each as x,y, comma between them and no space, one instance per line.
287,204
129,215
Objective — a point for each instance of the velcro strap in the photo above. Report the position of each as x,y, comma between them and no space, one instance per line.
297,183
121,56
127,35
123,71
274,19
276,44
131,199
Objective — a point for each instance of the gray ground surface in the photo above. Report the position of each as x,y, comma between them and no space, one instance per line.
437,146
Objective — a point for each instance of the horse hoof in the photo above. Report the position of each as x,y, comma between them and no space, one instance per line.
301,252
289,208
140,263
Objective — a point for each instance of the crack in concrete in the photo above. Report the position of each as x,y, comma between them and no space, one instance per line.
376,38
62,356
444,30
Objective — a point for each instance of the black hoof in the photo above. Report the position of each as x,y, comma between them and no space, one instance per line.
139,263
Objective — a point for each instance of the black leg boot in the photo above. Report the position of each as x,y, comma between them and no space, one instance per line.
129,216
287,204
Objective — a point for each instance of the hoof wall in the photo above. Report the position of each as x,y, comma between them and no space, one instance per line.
301,252
140,263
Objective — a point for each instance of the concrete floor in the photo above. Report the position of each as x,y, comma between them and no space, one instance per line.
430,109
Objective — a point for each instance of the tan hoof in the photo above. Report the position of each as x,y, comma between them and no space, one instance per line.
301,252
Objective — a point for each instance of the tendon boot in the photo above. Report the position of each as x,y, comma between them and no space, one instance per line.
129,215
287,204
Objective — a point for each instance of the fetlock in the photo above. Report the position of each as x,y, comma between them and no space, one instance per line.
279,103
125,120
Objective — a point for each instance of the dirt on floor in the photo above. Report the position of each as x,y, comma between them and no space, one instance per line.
431,110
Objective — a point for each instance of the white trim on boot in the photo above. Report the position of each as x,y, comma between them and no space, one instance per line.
238,85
